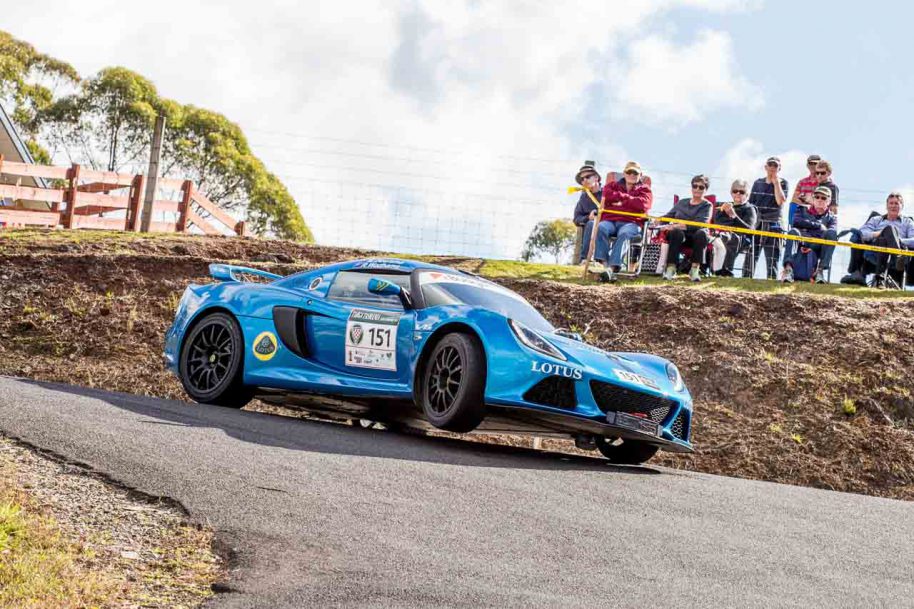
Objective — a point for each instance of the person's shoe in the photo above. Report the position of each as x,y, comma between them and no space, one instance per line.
787,274
670,272
855,278
608,276
695,274
878,282
725,273
820,276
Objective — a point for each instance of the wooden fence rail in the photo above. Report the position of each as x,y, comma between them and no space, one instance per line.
80,198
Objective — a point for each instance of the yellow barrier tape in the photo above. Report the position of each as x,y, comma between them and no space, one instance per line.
746,231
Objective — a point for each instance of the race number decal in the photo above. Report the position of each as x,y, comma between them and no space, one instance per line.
631,377
371,339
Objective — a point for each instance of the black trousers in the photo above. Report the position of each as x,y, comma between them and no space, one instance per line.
876,262
697,239
731,241
769,245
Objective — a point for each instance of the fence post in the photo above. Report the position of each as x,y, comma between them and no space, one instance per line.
187,193
136,202
152,183
72,195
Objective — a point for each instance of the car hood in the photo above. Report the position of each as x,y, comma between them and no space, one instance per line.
638,370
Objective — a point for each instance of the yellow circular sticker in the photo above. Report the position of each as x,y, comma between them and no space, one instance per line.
265,346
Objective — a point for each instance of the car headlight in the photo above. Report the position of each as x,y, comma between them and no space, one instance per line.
533,340
672,373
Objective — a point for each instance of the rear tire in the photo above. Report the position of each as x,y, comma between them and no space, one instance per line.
629,452
453,381
212,362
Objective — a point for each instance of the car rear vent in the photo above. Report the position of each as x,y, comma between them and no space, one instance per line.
554,391
680,427
611,397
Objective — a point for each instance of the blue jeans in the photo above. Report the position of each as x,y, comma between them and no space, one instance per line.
585,241
824,252
623,232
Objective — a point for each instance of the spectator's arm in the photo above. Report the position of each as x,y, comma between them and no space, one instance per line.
582,210
751,219
779,190
804,220
868,231
638,201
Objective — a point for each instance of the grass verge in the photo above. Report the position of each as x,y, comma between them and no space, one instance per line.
39,567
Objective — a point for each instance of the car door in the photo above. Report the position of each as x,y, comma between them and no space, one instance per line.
361,334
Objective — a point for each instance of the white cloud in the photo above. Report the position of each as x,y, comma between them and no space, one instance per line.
746,160
660,83
502,83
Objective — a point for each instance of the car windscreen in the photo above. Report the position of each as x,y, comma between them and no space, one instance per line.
440,288
351,286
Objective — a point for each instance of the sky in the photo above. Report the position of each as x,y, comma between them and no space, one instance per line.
454,126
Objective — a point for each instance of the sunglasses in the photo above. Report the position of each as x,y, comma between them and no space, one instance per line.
772,165
820,197
821,173
698,186
738,192
632,172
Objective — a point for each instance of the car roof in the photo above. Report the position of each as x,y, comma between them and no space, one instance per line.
389,264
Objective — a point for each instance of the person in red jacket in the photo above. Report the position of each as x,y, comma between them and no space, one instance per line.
630,194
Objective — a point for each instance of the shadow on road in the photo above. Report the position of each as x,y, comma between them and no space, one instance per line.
332,438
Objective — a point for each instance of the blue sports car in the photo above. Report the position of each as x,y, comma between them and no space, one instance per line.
402,342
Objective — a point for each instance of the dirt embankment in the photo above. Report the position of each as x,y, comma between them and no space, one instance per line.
790,388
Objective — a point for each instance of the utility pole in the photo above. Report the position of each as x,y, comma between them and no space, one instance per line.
152,175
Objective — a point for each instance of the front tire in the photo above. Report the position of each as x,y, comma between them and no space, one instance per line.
452,388
212,362
629,452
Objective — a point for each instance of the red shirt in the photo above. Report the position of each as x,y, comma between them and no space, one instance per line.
636,200
806,186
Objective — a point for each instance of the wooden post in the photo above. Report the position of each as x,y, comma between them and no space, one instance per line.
132,222
72,194
152,176
239,228
187,192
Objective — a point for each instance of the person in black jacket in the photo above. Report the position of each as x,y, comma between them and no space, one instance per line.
585,212
738,213
813,221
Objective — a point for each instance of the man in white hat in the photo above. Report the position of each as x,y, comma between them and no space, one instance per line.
630,194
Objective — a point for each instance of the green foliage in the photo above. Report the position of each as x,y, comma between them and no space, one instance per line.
107,122
848,406
26,77
554,237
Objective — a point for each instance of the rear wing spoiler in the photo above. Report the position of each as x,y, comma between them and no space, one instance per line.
226,272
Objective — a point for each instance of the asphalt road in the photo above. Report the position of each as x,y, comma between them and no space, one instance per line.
320,515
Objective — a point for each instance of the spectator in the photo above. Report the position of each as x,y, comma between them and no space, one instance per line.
823,175
767,196
739,213
804,187
585,212
888,230
630,194
696,209
818,222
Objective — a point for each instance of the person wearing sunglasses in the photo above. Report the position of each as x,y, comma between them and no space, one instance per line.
585,212
768,197
823,175
696,209
738,213
813,221
803,193
630,194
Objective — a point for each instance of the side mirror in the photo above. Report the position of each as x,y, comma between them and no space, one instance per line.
386,288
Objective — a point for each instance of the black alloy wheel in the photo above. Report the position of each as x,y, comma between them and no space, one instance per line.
212,362
451,390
